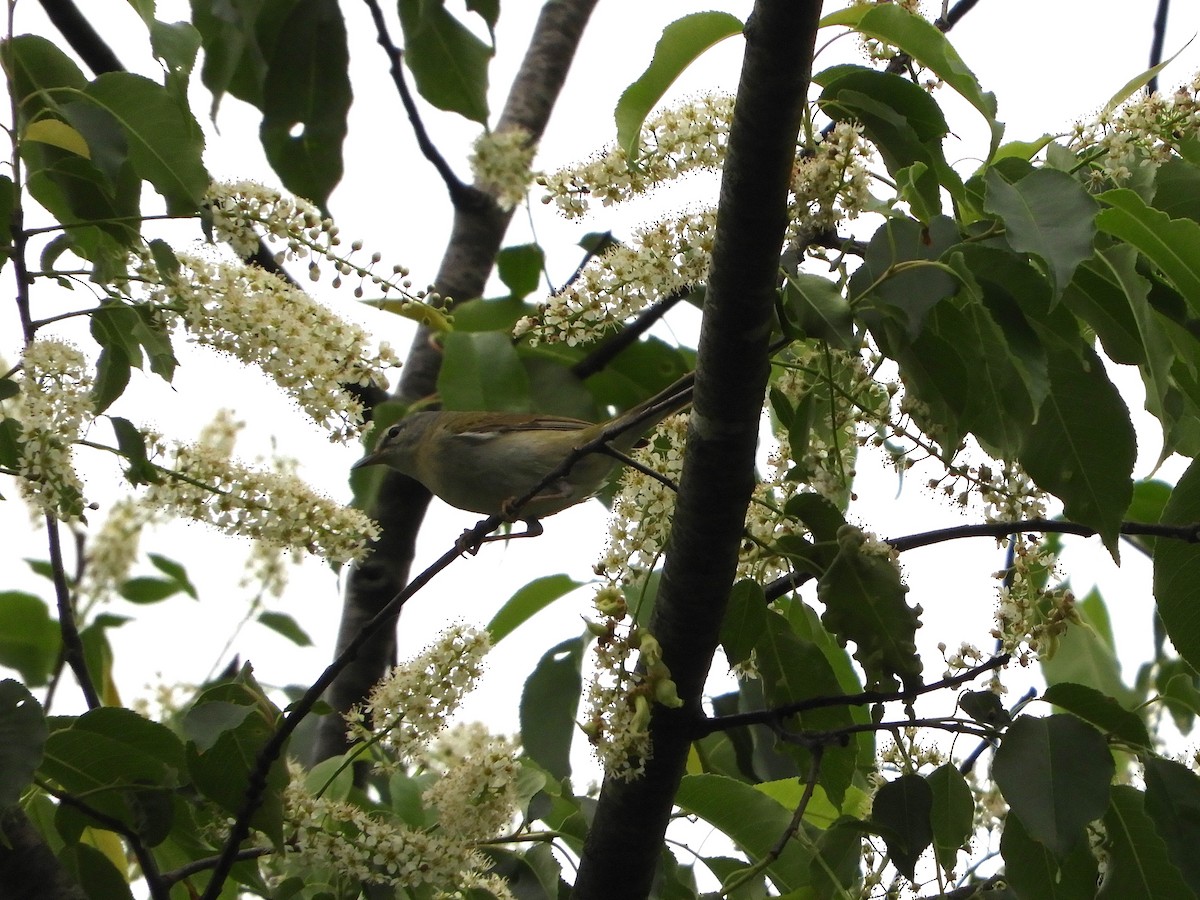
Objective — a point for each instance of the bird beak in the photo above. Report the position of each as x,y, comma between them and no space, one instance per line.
370,459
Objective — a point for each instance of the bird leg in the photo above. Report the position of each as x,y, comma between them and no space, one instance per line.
472,543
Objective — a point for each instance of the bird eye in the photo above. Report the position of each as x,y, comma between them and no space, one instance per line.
391,433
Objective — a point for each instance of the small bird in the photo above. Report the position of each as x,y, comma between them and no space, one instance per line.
485,461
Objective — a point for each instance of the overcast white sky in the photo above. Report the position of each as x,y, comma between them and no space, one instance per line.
1049,63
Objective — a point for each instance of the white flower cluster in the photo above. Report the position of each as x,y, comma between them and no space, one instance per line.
411,704
663,259
238,208
502,163
1030,620
476,796
1146,131
672,143
52,408
262,320
371,849
113,548
276,508
831,182
875,49
618,710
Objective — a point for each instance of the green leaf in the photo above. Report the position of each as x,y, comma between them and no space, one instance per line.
1173,803
1173,245
1055,774
528,602
520,268
233,60
1139,864
176,572
893,278
1048,214
794,669
22,739
1034,872
816,306
1084,657
1177,570
282,623
449,64
923,42
744,622
903,122
132,445
681,44
220,765
752,820
29,639
549,704
952,813
1177,189
147,590
482,371
838,864
306,98
165,143
1101,710
126,765
901,812
1082,447
864,603
112,377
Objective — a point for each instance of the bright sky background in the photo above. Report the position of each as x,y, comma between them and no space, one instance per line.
1049,63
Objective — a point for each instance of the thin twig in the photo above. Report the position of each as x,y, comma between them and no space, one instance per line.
865,698
174,876
158,889
1189,532
1157,41
72,645
461,193
270,753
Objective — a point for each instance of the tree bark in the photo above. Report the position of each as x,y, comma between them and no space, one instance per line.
475,238
28,870
626,836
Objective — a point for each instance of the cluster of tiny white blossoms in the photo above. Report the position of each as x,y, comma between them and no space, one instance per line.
201,482
1030,619
476,793
239,209
1145,131
830,182
502,163
112,549
262,320
875,49
672,143
411,704
629,675
53,407
662,259
362,848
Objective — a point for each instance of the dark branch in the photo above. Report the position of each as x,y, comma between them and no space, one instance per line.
599,358
203,865
1157,41
1189,533
81,36
158,890
72,645
461,194
866,698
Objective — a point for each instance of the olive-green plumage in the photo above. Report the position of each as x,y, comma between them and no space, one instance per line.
484,461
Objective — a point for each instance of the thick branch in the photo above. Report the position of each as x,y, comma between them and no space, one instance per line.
29,869
466,265
626,836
